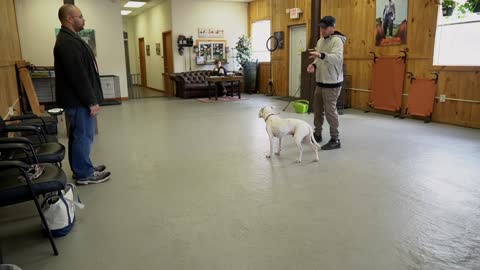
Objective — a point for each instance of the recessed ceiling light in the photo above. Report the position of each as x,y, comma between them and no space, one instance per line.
126,12
134,4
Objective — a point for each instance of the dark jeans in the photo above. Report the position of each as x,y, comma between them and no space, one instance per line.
388,25
81,133
220,88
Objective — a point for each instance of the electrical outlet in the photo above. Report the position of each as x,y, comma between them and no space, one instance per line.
443,98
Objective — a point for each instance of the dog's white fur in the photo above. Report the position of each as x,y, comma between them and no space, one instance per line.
278,127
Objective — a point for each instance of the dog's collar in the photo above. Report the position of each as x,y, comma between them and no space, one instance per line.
269,116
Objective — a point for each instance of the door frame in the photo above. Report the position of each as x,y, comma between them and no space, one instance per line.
167,70
143,63
290,48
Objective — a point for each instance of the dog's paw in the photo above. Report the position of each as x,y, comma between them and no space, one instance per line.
298,161
268,156
277,153
315,160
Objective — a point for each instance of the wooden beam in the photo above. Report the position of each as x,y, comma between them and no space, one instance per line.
26,81
316,12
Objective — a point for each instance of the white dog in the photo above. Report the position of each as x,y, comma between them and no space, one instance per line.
278,127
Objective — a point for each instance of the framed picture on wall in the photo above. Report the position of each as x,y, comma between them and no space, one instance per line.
147,47
211,50
88,35
391,22
157,48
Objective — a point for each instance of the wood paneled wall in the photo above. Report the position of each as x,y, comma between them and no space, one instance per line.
263,77
259,10
356,19
9,53
358,25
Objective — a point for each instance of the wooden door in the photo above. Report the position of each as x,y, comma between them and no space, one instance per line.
167,62
143,66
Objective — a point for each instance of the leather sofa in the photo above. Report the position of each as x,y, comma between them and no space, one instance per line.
194,84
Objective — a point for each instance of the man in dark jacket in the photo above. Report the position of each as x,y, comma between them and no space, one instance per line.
79,92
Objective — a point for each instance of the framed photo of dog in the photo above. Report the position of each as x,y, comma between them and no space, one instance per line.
210,50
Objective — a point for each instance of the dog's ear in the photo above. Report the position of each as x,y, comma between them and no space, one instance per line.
260,113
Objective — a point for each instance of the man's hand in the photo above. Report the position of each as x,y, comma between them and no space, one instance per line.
310,68
94,110
314,55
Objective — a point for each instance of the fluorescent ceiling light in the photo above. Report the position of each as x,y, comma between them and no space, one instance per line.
126,12
134,4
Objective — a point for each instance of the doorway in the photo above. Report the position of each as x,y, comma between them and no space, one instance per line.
167,63
143,66
298,43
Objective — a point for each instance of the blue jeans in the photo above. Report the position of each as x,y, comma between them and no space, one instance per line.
81,133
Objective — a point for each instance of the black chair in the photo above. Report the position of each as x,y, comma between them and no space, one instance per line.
16,185
30,153
35,133
47,123
45,152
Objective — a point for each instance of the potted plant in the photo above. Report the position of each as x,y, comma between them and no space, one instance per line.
244,50
472,6
244,58
447,7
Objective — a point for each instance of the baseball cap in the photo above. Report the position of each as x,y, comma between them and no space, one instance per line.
327,21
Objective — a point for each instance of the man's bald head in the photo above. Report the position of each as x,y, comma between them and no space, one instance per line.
71,17
65,11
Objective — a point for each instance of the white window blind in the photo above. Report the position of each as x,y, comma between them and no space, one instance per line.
260,34
457,39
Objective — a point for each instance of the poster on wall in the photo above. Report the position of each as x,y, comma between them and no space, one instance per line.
157,48
210,50
88,35
148,49
391,22
210,33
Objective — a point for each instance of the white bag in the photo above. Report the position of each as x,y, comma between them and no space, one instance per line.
59,210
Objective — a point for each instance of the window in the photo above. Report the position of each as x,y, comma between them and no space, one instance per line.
457,39
260,34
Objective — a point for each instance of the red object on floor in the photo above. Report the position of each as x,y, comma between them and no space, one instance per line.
421,97
387,84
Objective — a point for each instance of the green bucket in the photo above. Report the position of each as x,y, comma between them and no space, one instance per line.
300,106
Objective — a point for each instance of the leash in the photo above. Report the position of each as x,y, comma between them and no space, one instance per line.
270,115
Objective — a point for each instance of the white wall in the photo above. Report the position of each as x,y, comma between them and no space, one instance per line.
150,25
189,15
38,19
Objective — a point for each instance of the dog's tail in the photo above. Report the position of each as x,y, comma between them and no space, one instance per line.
312,138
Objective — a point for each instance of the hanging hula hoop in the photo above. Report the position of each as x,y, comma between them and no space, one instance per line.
269,44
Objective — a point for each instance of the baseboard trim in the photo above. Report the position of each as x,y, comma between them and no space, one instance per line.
155,89
118,98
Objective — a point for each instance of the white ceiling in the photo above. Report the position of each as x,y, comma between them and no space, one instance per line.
152,3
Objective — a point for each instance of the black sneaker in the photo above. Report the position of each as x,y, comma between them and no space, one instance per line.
96,178
318,137
332,144
99,168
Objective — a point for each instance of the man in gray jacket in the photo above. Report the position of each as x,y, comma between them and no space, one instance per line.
328,68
